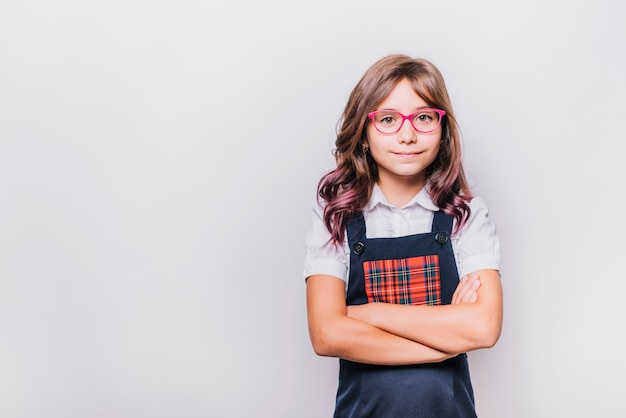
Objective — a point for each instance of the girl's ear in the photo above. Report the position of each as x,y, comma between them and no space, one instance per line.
366,147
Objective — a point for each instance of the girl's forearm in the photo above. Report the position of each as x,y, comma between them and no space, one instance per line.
355,340
448,328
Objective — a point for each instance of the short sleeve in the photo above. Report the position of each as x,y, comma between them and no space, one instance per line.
477,243
321,256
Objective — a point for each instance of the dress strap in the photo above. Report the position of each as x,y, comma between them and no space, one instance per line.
356,229
442,222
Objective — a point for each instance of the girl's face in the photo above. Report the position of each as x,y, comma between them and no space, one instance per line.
404,156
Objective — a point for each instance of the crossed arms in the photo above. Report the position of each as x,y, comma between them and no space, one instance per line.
391,334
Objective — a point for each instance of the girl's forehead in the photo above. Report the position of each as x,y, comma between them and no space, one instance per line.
403,95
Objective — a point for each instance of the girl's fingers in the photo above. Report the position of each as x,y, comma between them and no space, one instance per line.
466,291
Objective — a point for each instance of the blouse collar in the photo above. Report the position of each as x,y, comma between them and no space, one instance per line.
422,198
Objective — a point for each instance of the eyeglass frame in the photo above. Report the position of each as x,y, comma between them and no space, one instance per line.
440,112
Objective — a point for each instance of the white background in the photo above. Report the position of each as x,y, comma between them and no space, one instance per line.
158,162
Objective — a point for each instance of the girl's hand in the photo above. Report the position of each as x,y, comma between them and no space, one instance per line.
467,289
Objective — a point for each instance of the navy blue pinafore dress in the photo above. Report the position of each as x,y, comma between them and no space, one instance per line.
415,269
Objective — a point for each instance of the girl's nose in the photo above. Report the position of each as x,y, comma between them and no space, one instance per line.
407,133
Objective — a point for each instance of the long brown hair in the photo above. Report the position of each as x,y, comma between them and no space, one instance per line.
347,189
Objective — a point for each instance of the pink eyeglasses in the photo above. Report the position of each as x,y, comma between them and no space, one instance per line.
390,122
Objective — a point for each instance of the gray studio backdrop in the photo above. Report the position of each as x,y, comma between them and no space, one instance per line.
158,162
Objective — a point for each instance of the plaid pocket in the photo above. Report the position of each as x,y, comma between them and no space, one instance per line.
407,281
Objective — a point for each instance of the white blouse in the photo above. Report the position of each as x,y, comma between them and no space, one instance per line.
476,246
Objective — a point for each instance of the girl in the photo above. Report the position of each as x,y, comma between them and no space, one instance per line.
395,226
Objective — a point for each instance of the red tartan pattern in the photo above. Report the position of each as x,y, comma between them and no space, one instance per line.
407,281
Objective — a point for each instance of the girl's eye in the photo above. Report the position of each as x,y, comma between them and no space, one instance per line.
424,117
386,119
